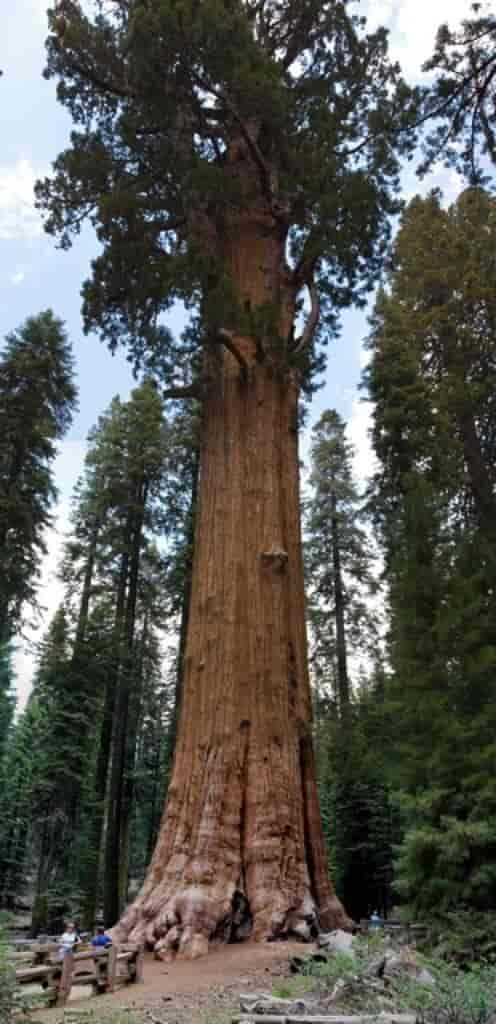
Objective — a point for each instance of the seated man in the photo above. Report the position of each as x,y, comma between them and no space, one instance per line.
101,939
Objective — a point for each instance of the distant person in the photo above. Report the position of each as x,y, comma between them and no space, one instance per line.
375,920
101,939
69,940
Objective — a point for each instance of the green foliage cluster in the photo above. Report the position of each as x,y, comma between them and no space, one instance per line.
99,684
455,997
464,936
461,102
37,400
431,376
350,720
7,986
185,114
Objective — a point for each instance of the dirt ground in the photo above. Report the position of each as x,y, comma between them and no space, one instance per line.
190,991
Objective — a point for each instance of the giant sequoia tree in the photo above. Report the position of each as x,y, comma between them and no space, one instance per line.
231,153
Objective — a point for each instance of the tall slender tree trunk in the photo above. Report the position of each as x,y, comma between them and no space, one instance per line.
113,897
84,604
135,712
479,473
157,790
104,749
339,609
241,849
185,610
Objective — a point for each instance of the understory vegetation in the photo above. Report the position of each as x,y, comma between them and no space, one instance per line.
447,993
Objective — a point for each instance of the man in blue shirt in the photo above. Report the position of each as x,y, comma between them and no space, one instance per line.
100,939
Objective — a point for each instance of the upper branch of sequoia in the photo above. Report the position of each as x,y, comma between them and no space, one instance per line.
161,95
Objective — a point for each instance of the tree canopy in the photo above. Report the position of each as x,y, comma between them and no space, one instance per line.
185,113
461,101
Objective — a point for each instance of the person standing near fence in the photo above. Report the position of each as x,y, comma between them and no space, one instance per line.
69,940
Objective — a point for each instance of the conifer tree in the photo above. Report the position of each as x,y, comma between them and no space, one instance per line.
340,580
7,698
16,804
345,632
232,154
118,509
433,363
63,749
37,399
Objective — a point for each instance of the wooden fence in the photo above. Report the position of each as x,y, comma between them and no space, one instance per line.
410,933
103,969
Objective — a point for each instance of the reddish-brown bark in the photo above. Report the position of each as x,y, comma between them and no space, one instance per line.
241,849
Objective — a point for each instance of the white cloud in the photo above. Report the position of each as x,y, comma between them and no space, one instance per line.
18,217
18,276
379,12
413,25
40,9
358,427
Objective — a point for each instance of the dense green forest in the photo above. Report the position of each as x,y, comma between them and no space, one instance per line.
400,571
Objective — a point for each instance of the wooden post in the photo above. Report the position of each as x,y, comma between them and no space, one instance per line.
139,964
101,964
65,981
112,968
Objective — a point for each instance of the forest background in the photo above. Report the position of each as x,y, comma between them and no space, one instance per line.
433,496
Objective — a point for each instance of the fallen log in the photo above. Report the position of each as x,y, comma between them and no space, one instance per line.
368,1018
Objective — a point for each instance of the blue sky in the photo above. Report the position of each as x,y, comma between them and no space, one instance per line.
34,275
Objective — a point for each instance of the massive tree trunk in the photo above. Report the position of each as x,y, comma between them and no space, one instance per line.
241,850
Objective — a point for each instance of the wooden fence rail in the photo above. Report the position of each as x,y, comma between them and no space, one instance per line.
107,968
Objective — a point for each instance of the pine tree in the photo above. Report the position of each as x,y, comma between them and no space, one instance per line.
143,442
212,140
433,360
7,698
63,749
340,578
16,804
118,510
37,399
345,632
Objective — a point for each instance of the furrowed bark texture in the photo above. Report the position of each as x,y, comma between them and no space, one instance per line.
240,851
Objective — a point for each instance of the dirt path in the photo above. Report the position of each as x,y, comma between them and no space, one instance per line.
192,991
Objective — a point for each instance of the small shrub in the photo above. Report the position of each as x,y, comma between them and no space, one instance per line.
456,997
291,988
8,985
465,936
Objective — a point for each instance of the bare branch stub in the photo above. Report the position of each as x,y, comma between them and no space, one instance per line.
196,390
311,325
226,338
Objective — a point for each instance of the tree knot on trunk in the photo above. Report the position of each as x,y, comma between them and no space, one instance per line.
277,558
